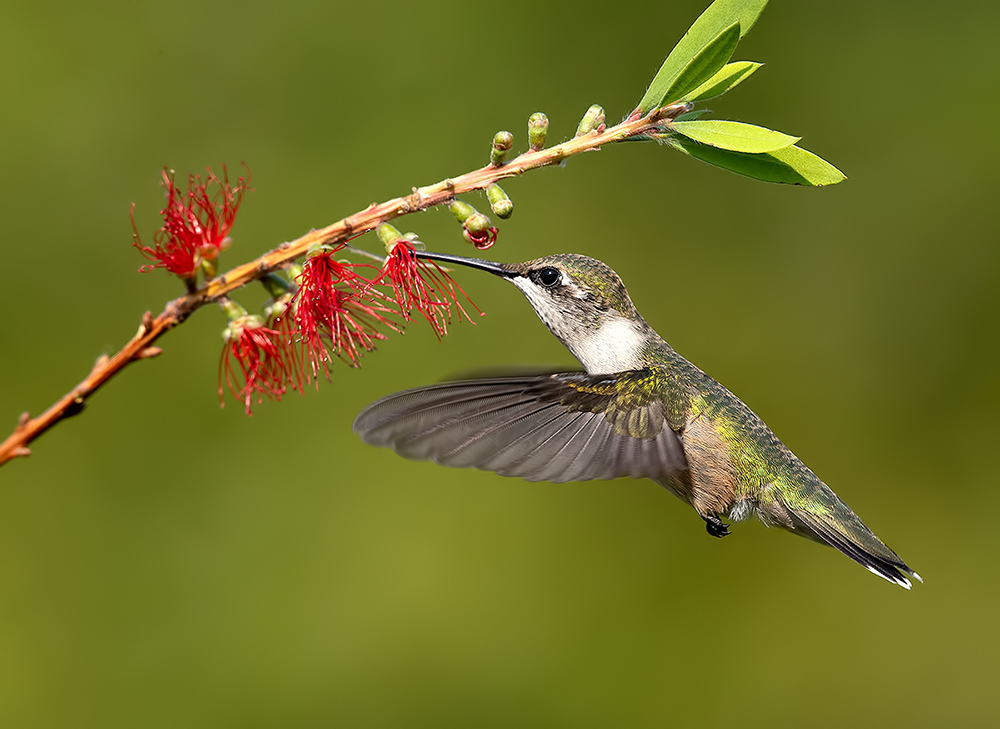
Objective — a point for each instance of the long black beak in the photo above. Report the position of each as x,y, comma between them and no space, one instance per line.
500,269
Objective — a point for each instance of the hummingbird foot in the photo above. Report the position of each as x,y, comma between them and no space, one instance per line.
716,527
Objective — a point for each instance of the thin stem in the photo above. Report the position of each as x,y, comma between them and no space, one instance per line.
422,198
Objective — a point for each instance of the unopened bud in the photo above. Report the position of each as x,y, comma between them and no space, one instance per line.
502,142
231,309
675,110
538,127
499,201
593,119
276,285
461,210
209,267
388,235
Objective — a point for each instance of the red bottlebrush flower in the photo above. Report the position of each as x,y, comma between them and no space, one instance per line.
255,361
335,310
423,286
196,224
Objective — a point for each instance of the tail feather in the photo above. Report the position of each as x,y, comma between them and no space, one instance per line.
857,542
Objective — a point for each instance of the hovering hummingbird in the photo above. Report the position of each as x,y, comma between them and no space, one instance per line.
640,410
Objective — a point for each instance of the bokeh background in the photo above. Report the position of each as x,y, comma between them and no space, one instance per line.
168,563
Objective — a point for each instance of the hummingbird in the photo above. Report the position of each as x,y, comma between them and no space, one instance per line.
639,409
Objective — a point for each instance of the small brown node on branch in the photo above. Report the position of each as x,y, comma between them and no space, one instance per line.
23,419
149,353
147,320
74,408
21,452
101,361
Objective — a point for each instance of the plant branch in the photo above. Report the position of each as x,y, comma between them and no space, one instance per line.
422,198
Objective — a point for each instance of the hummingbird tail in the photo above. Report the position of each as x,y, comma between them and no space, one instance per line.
851,537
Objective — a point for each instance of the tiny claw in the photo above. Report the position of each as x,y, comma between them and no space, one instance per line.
716,527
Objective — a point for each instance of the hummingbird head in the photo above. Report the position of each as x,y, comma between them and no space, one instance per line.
582,301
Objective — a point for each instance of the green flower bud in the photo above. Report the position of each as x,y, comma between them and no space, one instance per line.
209,267
593,119
388,235
499,201
276,285
502,142
231,309
538,127
462,210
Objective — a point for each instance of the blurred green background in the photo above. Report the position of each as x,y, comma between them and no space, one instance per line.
168,563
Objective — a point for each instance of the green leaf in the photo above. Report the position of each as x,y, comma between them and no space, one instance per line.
692,115
791,165
729,76
717,18
703,66
736,136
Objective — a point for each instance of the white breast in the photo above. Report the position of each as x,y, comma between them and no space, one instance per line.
614,347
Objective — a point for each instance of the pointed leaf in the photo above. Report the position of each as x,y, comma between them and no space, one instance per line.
736,136
791,165
718,17
729,76
703,66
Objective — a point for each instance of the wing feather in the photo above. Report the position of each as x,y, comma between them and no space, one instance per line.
553,427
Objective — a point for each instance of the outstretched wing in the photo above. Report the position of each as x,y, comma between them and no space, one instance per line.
555,427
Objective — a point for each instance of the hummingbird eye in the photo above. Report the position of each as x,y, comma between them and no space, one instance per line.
549,276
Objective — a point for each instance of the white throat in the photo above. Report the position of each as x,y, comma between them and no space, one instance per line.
615,346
